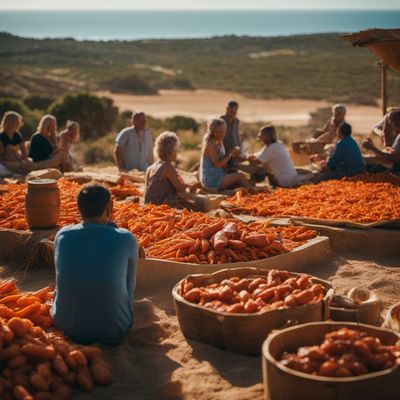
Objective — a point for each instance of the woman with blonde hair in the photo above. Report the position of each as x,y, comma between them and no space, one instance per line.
43,148
13,154
214,160
163,184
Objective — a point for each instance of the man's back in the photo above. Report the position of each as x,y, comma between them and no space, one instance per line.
348,154
95,274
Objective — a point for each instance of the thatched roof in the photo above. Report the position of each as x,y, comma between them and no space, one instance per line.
385,43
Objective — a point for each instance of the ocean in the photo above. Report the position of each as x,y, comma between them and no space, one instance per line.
134,25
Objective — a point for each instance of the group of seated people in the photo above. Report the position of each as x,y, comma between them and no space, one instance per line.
46,149
221,155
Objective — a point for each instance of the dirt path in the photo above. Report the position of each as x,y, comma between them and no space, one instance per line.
204,104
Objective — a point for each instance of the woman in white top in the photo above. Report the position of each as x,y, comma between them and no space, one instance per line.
276,158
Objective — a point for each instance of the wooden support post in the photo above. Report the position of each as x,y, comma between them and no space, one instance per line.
384,68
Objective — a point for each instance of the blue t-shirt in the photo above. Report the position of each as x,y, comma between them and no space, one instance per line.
347,157
95,278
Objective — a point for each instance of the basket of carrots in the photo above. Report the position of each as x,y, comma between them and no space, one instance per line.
331,360
235,309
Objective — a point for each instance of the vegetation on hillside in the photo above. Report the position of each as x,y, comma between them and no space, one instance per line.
309,66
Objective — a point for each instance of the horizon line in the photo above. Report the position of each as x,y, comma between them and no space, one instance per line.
199,9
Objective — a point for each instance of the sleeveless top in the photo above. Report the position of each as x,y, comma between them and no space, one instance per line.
159,190
210,175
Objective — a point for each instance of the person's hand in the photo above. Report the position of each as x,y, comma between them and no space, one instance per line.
368,144
194,186
235,152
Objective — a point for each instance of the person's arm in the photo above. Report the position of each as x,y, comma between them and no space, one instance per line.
24,153
212,153
335,158
320,132
120,141
150,155
2,151
392,157
119,159
131,273
175,180
378,129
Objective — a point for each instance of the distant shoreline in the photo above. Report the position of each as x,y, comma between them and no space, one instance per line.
123,25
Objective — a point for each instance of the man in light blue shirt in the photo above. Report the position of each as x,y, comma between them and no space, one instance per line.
95,273
134,145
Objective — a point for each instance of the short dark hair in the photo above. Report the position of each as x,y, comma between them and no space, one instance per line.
345,129
92,200
233,104
395,117
270,131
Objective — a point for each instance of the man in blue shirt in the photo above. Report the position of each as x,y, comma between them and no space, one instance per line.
346,158
95,273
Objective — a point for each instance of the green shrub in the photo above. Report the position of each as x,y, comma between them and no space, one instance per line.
38,102
96,115
30,119
129,84
181,123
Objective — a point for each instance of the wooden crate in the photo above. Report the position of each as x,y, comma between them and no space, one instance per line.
155,272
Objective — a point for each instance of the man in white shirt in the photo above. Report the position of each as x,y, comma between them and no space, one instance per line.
134,145
276,158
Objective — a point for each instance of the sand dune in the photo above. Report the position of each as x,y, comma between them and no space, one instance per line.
204,104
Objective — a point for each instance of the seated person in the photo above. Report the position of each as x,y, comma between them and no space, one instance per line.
134,145
43,148
393,155
13,154
95,265
275,157
346,158
67,139
163,184
328,134
214,160
385,130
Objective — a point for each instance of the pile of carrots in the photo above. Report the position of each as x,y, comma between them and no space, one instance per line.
12,202
12,206
278,289
194,237
37,361
343,353
124,188
362,199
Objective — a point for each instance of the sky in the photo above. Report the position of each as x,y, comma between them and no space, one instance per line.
203,4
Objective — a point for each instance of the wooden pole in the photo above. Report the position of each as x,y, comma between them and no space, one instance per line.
384,68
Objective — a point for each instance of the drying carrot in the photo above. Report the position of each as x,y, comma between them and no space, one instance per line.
12,205
366,198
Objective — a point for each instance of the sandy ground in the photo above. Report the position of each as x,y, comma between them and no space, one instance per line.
204,104
157,362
